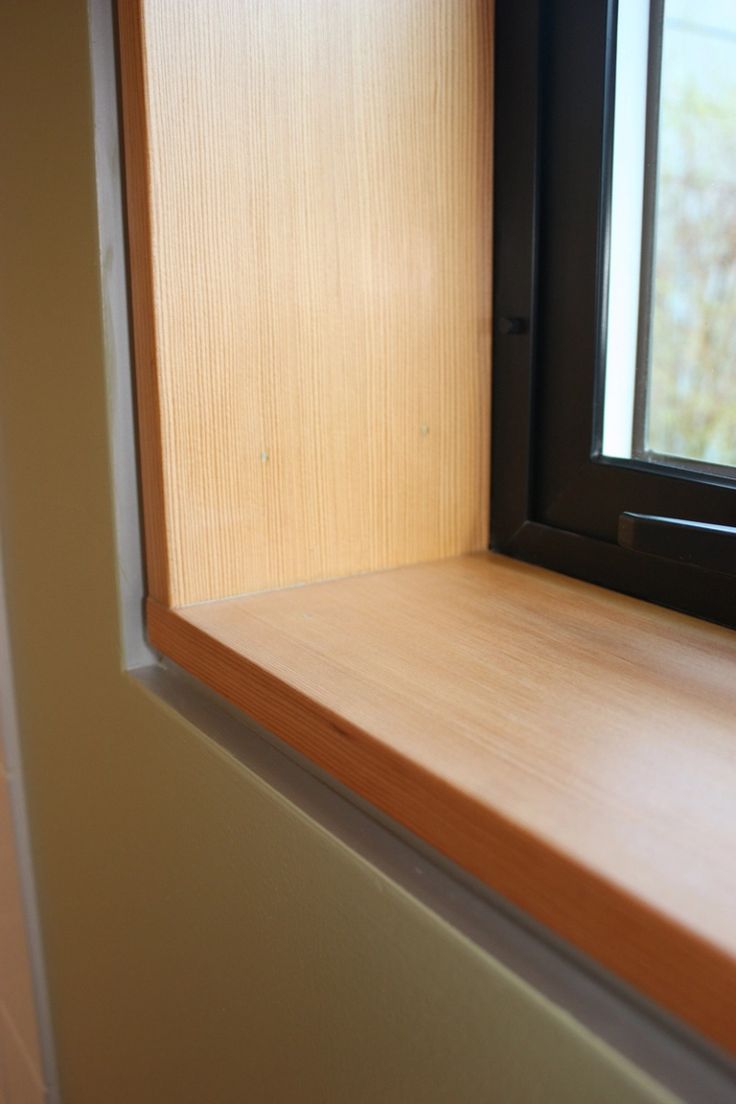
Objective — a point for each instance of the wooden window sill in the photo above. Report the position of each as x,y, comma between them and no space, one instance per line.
573,748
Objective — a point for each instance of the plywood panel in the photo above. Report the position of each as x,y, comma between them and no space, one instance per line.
571,747
318,214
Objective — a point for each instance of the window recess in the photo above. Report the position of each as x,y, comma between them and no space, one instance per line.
309,213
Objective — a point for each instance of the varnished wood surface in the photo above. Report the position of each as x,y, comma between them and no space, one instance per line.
156,507
310,218
573,748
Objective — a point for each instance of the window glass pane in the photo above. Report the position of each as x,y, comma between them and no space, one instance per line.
671,355
692,387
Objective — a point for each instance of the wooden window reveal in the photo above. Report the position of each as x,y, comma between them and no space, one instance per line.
310,209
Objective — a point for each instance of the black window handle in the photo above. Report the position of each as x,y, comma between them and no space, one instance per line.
691,542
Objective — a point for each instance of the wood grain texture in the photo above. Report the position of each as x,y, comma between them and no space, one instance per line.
318,322
571,747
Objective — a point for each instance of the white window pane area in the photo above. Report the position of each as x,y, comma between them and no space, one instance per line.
670,392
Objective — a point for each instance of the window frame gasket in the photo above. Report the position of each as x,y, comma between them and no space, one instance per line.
640,450
642,382
552,530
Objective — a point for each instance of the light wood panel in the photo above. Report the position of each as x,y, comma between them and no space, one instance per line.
311,185
572,747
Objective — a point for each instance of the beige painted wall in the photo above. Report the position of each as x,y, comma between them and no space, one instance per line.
205,940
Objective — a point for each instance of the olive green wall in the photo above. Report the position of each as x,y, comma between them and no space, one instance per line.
205,940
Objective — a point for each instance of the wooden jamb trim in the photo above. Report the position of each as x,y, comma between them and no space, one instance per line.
140,275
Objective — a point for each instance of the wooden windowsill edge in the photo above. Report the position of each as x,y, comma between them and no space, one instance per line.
572,748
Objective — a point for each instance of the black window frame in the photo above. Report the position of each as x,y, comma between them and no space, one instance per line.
556,501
